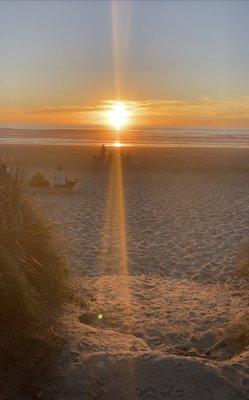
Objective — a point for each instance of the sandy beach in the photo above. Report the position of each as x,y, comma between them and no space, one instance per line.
154,272
124,200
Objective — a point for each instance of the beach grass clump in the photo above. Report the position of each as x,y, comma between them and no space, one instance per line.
32,271
243,268
237,332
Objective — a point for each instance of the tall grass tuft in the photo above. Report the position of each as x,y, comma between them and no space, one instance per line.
243,268
237,332
31,268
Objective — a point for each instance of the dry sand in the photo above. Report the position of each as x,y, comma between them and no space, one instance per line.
151,313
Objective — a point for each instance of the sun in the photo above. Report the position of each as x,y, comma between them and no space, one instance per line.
117,144
118,116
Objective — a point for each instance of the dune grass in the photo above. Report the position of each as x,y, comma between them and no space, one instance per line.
237,332
32,271
243,268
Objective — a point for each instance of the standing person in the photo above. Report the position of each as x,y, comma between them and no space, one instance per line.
102,154
60,177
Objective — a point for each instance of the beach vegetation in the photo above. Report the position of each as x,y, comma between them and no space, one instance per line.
243,268
32,270
237,332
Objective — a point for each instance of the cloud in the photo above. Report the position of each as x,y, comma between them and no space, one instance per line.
54,110
201,108
203,111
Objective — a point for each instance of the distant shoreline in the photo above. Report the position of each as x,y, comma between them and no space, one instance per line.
147,137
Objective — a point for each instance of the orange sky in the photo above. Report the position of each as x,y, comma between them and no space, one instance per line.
202,112
174,63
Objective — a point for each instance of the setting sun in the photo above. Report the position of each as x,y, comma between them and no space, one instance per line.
118,115
117,144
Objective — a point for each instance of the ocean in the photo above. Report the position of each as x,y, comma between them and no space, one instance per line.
142,137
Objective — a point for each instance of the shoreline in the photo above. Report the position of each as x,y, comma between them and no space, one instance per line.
153,137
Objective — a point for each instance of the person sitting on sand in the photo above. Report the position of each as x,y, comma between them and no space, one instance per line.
39,180
61,179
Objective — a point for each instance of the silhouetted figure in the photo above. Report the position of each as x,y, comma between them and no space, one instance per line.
102,155
103,160
38,180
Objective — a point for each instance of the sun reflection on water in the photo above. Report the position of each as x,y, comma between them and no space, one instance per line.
117,144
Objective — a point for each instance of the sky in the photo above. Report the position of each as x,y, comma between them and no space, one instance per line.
173,63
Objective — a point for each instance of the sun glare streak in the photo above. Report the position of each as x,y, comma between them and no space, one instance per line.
114,280
121,20
115,216
114,234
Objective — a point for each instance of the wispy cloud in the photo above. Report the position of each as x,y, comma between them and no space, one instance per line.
201,111
54,110
203,106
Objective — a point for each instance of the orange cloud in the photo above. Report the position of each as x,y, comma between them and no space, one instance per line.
201,112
